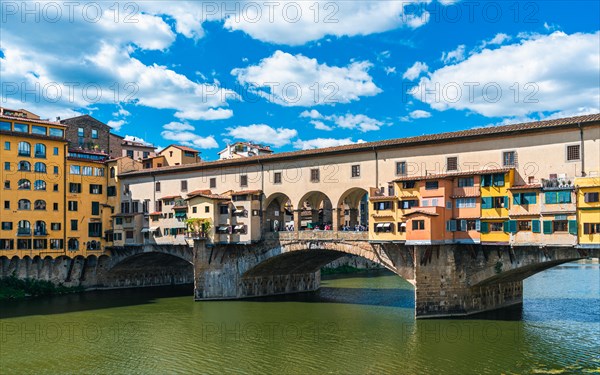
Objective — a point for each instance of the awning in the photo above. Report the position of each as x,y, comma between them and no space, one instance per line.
238,227
153,229
387,225
380,225
403,225
145,230
180,214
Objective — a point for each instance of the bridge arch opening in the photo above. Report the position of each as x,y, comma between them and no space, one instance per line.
352,210
315,211
279,213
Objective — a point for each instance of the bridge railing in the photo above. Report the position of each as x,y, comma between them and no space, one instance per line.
318,235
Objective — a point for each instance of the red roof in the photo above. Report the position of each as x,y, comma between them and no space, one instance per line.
183,148
170,197
383,198
155,213
32,120
422,213
247,192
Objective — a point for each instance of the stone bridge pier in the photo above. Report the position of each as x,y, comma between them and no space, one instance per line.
449,280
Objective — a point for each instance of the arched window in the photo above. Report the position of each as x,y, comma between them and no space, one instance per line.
40,150
93,245
24,228
73,244
39,205
24,204
24,166
40,167
40,228
24,149
112,172
39,185
24,184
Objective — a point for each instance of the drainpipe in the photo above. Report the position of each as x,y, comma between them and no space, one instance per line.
583,174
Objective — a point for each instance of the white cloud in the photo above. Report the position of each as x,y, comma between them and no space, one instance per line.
313,113
360,122
319,125
298,22
116,124
290,80
121,112
500,38
415,71
136,139
178,126
261,133
455,56
390,70
323,142
556,72
190,139
416,114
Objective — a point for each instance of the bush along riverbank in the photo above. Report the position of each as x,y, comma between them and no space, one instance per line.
12,287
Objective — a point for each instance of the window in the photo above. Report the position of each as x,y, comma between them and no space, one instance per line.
466,181
55,152
95,208
391,190
382,205
7,225
55,206
23,228
55,170
24,204
356,171
194,210
24,244
7,205
73,224
95,229
145,154
40,228
80,132
4,125
111,191
213,183
130,154
452,163
189,154
7,146
277,178
24,184
40,167
39,205
73,244
206,209
129,235
314,175
494,202
223,209
509,159
40,244
243,180
590,197
55,226
40,150
496,179
118,221
524,225
57,132
40,130
124,207
560,226
95,189
401,168
56,244
418,224
74,188
55,188
591,228
573,153
24,166
94,134
72,205
24,149
431,185
21,128
557,197
7,244
408,184
466,203
524,198
157,186
87,171
496,226
112,172
409,204
383,227
183,185
99,172
75,169
7,184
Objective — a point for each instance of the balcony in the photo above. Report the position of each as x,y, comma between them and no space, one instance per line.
466,192
559,183
24,232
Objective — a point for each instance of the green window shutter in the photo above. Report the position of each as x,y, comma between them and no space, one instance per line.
486,180
499,179
550,197
564,197
517,198
573,227
512,226
548,227
478,225
535,226
95,208
484,227
506,202
529,198
463,225
486,202
505,227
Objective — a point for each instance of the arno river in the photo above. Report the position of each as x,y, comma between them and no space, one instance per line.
355,324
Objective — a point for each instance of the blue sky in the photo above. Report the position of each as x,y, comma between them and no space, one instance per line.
297,75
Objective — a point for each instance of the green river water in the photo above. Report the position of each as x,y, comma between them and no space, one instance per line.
355,324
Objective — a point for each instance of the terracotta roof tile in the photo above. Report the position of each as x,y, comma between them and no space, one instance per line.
483,132
525,187
383,198
20,119
170,197
422,213
246,192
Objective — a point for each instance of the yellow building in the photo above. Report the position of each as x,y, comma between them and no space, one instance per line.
86,202
383,217
588,211
32,159
495,205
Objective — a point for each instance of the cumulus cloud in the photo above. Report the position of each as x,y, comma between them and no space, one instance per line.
261,133
296,80
313,113
320,125
415,71
323,142
454,56
419,114
136,139
116,124
360,122
178,126
190,139
556,72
